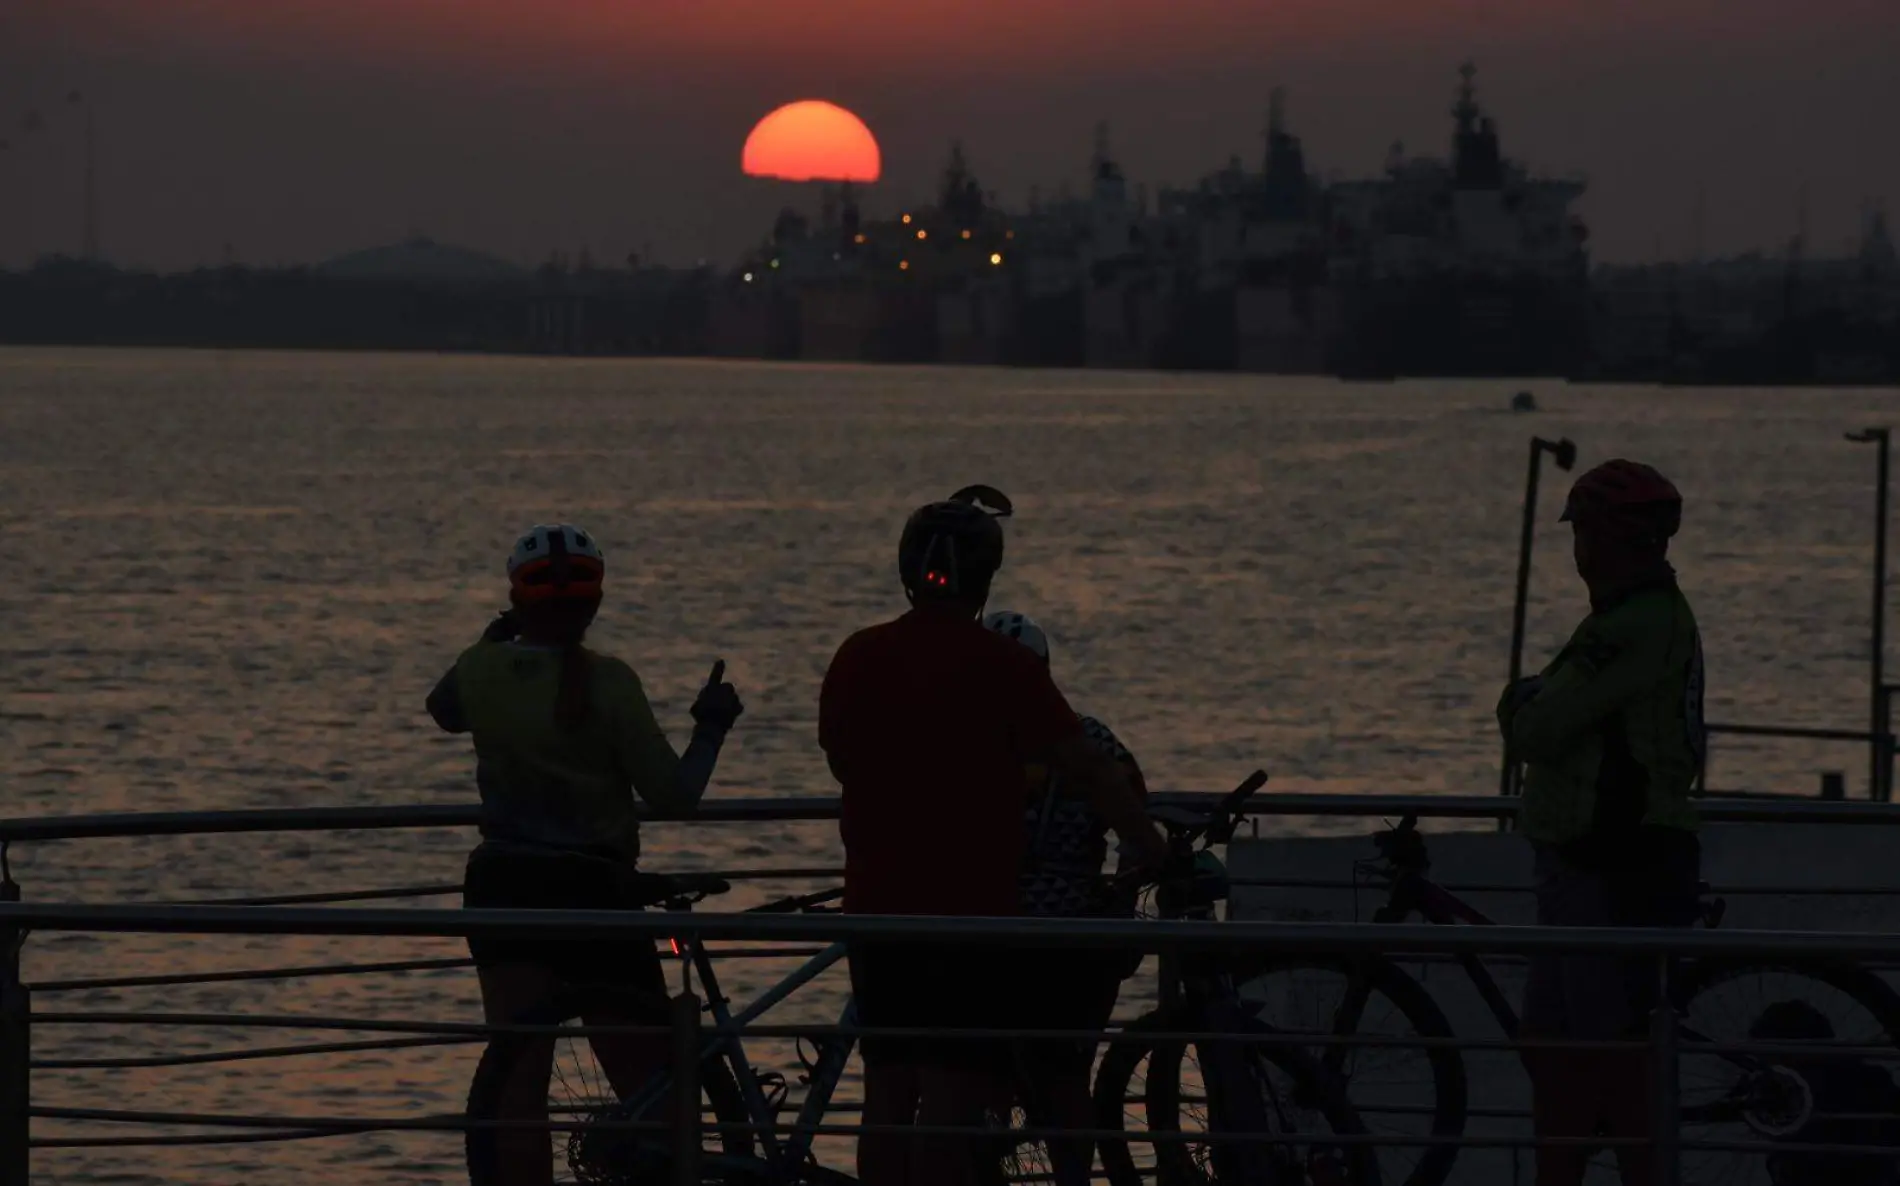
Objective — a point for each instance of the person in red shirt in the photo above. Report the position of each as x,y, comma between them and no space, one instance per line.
927,723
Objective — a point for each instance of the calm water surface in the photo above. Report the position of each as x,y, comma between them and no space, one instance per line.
234,577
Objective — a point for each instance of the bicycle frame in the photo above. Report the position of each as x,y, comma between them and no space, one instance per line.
727,1044
1412,892
823,1077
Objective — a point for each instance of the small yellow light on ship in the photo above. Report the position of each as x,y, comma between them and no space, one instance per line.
857,238
774,263
966,232
922,235
903,265
906,220
996,257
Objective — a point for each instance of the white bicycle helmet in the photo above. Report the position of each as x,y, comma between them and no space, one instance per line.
1020,627
555,560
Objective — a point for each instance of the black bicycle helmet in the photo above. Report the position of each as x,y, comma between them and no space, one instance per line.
951,549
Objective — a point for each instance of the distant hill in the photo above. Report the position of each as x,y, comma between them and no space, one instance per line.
421,260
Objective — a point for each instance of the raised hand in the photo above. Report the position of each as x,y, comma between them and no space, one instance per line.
718,704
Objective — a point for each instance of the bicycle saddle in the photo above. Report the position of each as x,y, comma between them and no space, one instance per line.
709,884
653,889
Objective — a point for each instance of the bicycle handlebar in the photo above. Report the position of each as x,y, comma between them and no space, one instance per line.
799,902
1221,824
1403,846
1217,826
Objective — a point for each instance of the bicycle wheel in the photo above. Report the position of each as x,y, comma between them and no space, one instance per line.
1017,1160
587,1148
1399,1092
1778,1099
1159,1087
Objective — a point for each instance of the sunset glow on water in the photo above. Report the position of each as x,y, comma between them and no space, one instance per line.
239,575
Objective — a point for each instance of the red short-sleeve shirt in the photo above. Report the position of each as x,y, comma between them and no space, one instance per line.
928,722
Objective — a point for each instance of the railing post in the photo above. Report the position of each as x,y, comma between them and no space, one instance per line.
1885,744
686,1111
1881,439
1880,610
16,1043
1665,1100
1565,455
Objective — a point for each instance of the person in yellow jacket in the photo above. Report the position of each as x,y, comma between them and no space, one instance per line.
1612,737
564,740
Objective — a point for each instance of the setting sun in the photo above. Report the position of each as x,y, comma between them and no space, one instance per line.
812,140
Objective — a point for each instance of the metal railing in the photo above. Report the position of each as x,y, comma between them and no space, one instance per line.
1663,1047
1881,747
1025,932
756,936
32,829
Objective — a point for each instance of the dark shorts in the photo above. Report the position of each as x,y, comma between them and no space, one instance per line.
938,986
1066,990
1603,997
509,878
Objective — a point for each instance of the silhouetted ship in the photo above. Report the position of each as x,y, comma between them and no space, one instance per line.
1463,266
1469,266
1756,318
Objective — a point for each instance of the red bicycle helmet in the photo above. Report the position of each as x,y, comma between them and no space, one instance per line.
1627,490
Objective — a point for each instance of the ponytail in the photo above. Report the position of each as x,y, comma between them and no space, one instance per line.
562,625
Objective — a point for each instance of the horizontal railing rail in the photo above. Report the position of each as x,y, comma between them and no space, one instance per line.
1797,732
1363,887
1714,809
312,971
1144,934
1767,889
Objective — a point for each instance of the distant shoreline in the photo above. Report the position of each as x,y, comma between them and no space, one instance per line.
1531,382
662,313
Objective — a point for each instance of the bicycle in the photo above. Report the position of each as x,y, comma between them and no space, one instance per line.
1347,996
1252,1088
744,1144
